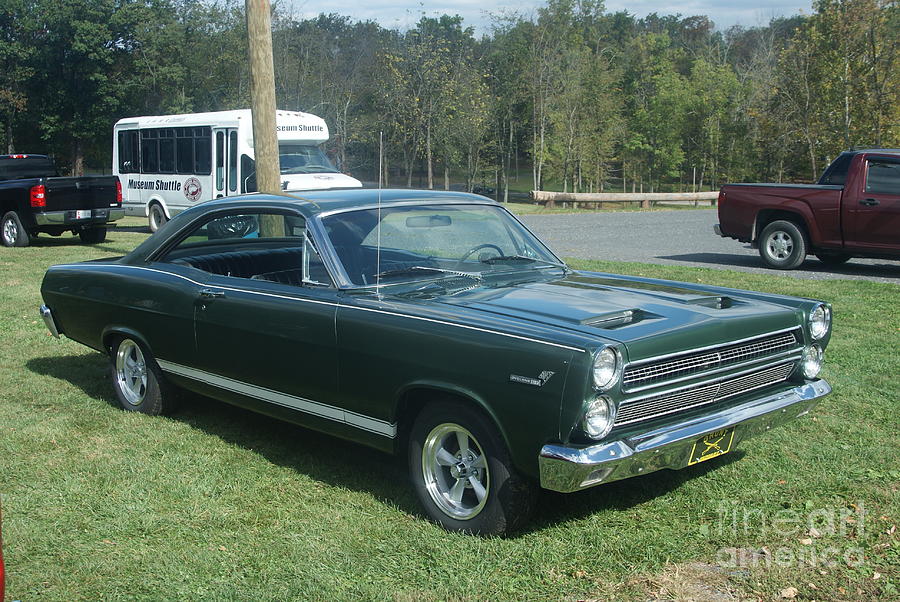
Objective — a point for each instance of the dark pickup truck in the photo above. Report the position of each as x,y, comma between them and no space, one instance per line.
34,199
853,211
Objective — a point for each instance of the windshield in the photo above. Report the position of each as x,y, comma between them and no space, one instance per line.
433,241
303,158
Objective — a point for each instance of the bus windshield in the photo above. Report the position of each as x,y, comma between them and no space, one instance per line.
303,158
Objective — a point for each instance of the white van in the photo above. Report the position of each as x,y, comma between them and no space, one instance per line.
168,163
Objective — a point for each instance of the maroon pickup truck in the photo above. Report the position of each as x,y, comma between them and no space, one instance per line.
853,211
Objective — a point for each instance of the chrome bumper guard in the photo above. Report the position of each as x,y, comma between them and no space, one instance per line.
568,469
49,321
718,230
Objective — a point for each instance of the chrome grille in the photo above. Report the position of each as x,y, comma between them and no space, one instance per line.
694,362
692,397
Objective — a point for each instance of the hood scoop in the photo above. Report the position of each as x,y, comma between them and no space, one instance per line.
715,302
616,319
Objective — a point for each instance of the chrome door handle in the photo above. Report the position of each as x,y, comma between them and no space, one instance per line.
208,293
869,202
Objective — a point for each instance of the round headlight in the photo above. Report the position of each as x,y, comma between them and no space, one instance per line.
819,321
811,361
599,417
606,368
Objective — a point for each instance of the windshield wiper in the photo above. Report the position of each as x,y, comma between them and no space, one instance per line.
413,269
497,258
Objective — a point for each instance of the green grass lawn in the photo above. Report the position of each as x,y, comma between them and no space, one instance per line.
217,503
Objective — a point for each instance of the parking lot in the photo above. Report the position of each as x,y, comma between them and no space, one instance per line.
680,237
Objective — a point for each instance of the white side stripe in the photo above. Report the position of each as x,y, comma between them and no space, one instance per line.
307,406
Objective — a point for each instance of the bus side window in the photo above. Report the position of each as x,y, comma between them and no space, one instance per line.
220,161
202,150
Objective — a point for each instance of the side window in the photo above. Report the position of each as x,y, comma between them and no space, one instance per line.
883,177
167,150
202,150
149,151
129,151
256,246
232,162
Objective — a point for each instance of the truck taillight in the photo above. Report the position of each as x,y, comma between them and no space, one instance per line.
119,192
38,196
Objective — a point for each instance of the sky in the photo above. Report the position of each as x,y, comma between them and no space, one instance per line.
401,14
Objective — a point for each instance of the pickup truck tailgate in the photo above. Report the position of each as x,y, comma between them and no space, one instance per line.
86,192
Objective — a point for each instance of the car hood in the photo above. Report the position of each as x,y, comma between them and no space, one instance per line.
649,317
317,181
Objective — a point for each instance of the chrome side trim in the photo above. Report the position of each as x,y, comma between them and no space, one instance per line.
708,347
307,406
566,469
302,300
47,315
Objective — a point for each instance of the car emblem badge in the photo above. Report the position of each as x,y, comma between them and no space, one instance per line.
540,381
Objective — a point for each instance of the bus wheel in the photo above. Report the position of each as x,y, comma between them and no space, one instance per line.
157,218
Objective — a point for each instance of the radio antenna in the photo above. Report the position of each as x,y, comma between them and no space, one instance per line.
378,224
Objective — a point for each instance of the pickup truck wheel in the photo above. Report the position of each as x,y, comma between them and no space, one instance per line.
157,217
12,232
782,245
92,236
139,383
462,472
833,259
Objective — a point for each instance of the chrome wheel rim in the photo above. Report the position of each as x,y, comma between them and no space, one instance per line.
780,245
10,231
455,471
131,372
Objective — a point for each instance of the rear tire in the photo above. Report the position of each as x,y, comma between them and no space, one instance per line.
138,381
157,218
462,472
782,245
833,259
92,236
12,232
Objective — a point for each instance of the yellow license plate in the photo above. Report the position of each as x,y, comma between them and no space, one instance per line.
711,445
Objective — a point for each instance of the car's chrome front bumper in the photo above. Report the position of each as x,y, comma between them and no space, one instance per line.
569,469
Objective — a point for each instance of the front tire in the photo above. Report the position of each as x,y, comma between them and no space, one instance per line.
782,245
157,218
137,380
92,236
462,473
12,232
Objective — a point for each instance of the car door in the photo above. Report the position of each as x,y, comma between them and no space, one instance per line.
261,338
872,220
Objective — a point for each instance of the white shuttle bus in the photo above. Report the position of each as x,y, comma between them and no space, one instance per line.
169,163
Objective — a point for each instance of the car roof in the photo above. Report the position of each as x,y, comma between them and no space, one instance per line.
315,202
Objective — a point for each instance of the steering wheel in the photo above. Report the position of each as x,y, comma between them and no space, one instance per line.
477,248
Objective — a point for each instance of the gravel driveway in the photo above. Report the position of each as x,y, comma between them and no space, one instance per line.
680,237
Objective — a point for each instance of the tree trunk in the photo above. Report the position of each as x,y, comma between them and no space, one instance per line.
428,155
77,159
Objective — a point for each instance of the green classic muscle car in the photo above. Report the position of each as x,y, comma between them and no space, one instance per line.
435,324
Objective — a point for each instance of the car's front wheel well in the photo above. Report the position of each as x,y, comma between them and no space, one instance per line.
413,401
